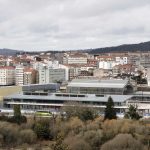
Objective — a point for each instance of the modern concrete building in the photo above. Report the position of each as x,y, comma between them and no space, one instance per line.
7,75
30,89
46,97
54,101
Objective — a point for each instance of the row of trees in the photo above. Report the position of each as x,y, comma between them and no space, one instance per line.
86,113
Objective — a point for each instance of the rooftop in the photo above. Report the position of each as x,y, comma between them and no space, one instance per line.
98,83
7,67
34,87
71,97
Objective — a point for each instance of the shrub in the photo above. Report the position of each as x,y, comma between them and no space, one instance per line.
17,119
75,124
28,136
9,132
77,143
79,110
111,128
3,118
42,130
86,113
59,144
1,140
92,125
94,138
123,142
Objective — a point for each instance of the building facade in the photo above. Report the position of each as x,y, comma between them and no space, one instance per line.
29,76
75,58
48,75
19,75
116,87
7,75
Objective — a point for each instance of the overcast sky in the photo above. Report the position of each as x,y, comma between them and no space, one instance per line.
72,24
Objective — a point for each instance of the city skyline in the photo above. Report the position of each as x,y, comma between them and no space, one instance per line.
65,24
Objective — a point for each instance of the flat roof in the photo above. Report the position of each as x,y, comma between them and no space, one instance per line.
142,93
34,87
98,83
87,97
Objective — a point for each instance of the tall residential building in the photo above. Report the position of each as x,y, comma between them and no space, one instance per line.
7,75
19,75
29,76
74,72
48,75
43,75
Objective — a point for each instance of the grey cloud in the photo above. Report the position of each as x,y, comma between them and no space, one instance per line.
72,24
125,30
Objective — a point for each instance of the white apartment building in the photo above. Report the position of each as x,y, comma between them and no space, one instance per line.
121,60
107,64
19,72
77,60
74,59
7,75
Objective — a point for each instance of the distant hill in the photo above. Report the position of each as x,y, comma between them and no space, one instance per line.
145,46
9,52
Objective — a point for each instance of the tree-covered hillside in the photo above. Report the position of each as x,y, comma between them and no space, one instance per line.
123,48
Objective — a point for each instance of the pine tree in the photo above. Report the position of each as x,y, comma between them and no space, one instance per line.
17,118
17,111
110,112
132,113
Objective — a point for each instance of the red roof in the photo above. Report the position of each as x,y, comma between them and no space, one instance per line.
29,70
7,67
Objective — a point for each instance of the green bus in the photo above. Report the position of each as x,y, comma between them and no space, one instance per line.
43,114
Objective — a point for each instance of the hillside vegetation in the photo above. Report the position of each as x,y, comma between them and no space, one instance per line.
145,46
61,133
